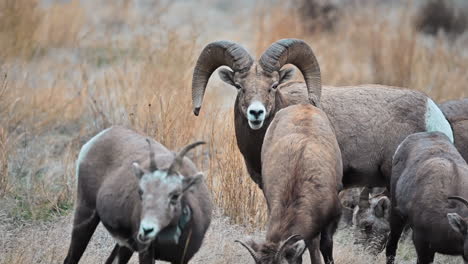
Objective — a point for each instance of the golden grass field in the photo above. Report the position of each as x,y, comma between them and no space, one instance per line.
70,69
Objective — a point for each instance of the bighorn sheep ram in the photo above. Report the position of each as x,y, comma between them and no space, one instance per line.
427,173
369,120
302,173
456,112
152,201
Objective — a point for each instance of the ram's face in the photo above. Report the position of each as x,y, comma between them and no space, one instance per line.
256,91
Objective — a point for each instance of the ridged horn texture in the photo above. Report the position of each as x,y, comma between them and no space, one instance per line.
180,157
300,54
153,166
460,199
213,56
251,251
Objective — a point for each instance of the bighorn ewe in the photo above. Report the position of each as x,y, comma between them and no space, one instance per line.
456,112
302,173
427,172
371,220
369,120
151,200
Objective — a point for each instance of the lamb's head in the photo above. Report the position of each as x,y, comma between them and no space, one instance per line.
289,251
257,83
460,225
161,192
371,219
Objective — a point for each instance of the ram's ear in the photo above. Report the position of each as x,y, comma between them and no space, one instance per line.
286,75
227,76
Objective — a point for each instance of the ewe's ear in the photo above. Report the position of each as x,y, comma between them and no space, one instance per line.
382,208
286,75
191,181
295,250
457,223
139,172
227,76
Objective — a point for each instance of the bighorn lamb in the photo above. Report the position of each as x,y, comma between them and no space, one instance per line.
456,112
371,220
427,172
150,199
369,120
302,173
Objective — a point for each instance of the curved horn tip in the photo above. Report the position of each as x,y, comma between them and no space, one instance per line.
196,111
460,199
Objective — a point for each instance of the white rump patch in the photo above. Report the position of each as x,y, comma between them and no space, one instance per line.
436,121
85,149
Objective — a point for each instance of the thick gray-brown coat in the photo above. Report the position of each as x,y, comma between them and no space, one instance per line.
302,173
108,192
369,120
456,112
427,169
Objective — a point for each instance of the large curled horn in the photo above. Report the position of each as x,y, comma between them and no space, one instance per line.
460,199
180,156
153,166
213,56
298,53
251,251
364,198
290,240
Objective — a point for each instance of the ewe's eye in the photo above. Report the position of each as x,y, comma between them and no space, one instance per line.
175,198
238,86
140,193
274,86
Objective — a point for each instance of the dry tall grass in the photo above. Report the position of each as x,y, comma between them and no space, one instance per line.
49,107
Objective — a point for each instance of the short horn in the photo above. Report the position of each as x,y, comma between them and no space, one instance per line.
300,54
460,199
213,56
364,198
180,156
153,166
251,251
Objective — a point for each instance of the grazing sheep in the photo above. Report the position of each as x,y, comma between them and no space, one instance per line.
371,221
369,120
152,201
427,171
302,173
456,112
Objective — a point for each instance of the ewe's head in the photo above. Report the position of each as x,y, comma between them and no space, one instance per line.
288,251
257,83
161,192
371,220
460,225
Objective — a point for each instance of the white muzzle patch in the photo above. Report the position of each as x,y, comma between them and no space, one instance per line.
148,231
256,115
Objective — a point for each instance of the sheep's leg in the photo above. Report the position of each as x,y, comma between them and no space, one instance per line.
326,241
314,252
147,256
425,254
84,224
120,255
397,224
